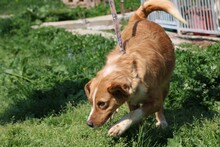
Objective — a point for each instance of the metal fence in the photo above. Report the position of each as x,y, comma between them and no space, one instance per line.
203,17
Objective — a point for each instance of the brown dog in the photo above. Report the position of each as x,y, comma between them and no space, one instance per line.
139,77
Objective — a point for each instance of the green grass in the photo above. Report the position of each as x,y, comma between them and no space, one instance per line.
42,102
200,133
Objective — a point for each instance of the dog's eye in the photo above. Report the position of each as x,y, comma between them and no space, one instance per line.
102,105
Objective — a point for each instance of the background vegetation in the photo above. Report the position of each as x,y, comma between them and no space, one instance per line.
55,10
42,102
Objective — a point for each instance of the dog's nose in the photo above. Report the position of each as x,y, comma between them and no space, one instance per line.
89,123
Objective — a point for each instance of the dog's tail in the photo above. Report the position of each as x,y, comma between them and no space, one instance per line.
157,5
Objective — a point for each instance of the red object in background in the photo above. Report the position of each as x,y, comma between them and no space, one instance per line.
200,18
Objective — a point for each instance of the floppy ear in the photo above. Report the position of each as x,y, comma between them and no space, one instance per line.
87,88
119,89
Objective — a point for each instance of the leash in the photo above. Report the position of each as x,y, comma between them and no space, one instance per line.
116,26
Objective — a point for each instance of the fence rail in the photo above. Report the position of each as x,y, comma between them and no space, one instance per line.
203,17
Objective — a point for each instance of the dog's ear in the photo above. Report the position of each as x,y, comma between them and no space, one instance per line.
119,89
87,88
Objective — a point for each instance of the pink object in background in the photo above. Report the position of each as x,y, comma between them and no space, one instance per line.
200,19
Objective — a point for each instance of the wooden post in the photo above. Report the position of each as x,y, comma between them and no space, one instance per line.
122,8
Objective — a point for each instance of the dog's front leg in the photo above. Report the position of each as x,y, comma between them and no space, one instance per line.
125,122
133,117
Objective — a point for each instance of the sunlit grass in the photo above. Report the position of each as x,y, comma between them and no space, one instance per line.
42,102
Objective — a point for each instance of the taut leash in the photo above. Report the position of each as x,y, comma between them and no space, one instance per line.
116,26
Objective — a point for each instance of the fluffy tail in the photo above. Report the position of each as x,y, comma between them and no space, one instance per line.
157,5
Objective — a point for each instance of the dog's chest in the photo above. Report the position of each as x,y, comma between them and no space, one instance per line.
140,95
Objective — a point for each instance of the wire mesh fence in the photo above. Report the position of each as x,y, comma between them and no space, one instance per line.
203,17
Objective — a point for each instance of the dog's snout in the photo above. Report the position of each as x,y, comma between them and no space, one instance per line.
89,123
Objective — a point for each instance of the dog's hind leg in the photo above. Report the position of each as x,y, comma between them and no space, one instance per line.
161,120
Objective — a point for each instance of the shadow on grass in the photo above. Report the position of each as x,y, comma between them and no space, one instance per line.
151,136
41,103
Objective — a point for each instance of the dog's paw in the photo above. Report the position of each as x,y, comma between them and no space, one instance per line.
162,124
116,131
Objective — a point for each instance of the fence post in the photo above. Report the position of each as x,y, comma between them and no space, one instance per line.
177,22
142,1
122,7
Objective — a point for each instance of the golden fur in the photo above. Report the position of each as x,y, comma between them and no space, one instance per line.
139,77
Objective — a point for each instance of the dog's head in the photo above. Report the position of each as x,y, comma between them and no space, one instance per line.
105,96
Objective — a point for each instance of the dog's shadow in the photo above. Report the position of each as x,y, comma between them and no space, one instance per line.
41,103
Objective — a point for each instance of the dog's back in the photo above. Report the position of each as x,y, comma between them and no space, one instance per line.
152,48
148,42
